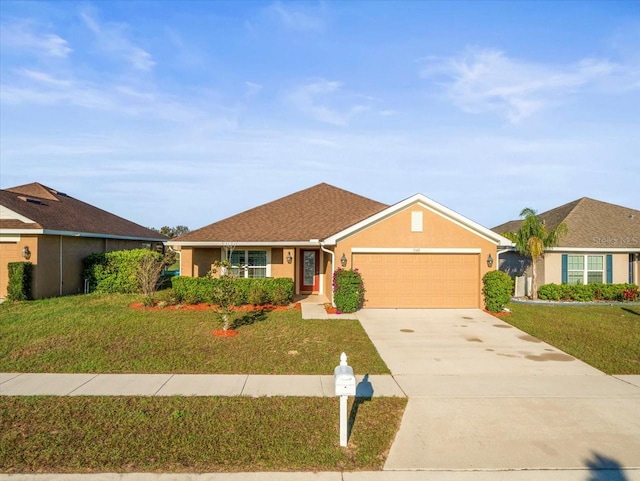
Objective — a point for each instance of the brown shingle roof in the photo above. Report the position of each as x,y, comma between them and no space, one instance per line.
55,211
590,223
313,213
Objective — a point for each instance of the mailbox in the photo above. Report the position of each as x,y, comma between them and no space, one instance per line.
344,380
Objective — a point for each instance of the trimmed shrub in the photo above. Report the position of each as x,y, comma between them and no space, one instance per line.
20,276
194,290
348,290
549,292
497,289
280,291
589,292
115,272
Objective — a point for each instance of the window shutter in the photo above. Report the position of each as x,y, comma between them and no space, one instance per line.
609,269
565,274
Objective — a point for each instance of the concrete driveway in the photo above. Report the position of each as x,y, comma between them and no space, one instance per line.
486,396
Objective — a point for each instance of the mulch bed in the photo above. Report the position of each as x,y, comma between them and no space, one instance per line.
209,307
331,310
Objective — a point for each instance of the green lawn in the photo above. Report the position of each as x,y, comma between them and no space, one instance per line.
102,334
191,434
606,337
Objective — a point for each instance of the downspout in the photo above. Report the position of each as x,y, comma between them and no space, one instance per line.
60,265
333,266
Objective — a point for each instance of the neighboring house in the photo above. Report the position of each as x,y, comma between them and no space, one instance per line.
602,245
56,232
416,253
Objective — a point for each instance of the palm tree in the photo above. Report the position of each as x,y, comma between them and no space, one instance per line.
532,238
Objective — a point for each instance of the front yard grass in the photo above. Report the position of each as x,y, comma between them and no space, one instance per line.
606,337
191,434
102,334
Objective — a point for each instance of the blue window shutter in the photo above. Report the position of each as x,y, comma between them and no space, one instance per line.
565,262
609,269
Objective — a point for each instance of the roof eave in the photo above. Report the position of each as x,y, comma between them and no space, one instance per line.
312,242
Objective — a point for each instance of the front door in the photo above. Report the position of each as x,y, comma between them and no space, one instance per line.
309,270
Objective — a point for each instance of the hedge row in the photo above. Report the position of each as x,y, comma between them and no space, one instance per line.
194,290
589,292
20,275
117,271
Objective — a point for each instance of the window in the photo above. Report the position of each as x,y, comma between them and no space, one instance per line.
585,269
252,264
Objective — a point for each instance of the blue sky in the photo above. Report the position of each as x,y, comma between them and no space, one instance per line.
187,112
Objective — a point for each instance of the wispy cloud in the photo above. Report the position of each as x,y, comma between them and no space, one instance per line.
23,35
293,18
489,81
112,38
312,99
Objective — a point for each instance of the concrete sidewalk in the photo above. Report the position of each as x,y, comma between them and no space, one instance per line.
497,475
253,385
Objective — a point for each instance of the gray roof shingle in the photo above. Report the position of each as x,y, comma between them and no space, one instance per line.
591,224
313,213
56,211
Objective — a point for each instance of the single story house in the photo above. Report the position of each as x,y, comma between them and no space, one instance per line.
602,245
413,254
55,232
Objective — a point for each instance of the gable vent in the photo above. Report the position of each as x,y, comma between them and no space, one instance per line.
31,200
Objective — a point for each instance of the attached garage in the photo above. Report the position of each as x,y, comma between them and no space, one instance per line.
428,279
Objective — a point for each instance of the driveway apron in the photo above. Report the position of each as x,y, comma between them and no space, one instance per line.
485,395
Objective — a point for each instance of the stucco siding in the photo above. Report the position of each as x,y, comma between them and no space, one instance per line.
398,232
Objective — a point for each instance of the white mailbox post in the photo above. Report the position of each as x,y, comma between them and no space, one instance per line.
345,384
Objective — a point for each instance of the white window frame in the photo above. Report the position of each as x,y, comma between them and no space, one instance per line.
585,269
243,270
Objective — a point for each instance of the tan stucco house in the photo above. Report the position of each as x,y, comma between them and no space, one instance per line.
416,253
55,232
602,245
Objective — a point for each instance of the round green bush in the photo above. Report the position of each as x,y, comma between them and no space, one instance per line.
497,289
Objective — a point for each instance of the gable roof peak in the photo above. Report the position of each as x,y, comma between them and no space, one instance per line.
35,190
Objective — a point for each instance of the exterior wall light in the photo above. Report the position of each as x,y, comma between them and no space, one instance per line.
343,260
289,258
489,261
26,253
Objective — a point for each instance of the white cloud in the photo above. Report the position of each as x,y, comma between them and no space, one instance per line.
312,98
297,20
489,81
112,38
251,89
22,36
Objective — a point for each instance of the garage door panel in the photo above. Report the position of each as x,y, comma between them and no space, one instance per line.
420,280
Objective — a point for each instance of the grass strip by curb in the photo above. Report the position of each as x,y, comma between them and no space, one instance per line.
192,434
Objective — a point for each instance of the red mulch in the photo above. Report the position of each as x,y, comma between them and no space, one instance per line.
331,310
223,333
208,307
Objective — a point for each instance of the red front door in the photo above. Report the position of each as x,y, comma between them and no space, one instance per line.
309,270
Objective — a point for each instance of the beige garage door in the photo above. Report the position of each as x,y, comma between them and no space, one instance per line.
420,280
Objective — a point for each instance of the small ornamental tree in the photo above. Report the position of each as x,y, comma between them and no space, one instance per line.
497,289
348,290
224,293
149,271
